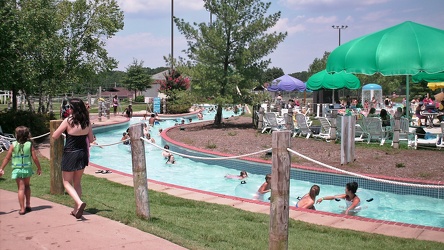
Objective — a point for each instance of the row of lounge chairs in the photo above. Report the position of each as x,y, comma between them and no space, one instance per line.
367,129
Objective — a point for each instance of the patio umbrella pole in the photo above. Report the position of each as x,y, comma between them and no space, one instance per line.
407,97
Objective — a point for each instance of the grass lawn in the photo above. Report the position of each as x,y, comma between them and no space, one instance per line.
200,225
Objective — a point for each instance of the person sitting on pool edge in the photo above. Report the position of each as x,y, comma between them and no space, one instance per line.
308,200
168,155
243,174
352,201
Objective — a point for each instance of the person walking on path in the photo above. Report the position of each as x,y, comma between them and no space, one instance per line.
21,151
77,128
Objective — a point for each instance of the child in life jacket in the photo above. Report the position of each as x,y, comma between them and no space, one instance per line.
21,151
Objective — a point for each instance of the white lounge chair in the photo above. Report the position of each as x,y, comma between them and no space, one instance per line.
374,129
271,123
325,129
302,126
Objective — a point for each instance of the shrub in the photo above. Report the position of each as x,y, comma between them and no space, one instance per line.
139,98
37,123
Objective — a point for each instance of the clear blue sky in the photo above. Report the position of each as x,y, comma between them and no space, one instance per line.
147,32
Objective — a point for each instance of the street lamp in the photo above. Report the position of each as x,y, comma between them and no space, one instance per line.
339,28
172,36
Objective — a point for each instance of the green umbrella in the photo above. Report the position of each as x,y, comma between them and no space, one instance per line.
324,80
405,49
438,77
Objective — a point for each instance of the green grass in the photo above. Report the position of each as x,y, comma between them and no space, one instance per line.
200,225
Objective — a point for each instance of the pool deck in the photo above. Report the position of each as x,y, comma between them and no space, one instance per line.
50,226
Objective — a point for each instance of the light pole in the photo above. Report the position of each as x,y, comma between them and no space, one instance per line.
342,27
172,36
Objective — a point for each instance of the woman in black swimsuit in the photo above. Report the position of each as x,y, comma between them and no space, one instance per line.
77,128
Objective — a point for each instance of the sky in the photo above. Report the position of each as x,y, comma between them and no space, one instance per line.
147,33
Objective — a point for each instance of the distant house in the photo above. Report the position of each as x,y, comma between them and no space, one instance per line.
121,92
154,90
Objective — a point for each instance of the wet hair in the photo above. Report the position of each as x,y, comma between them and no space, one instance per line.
314,191
242,173
268,177
166,147
124,133
22,134
352,187
153,115
79,114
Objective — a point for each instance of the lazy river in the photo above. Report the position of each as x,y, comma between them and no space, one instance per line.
381,201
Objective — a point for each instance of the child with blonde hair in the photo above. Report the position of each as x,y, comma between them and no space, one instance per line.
21,151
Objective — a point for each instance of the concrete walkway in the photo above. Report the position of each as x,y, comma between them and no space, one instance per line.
50,226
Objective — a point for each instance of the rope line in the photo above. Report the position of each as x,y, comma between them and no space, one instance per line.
36,137
364,176
110,144
204,158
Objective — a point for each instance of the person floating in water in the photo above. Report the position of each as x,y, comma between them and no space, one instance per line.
308,200
241,176
352,201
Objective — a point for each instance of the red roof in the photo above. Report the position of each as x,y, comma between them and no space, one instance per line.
121,92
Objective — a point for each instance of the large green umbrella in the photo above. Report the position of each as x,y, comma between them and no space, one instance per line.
405,49
438,77
324,80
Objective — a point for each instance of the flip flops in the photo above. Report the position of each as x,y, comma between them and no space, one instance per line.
103,172
79,213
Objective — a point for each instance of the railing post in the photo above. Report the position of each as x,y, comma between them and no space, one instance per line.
280,186
396,129
334,114
260,119
347,139
55,156
139,171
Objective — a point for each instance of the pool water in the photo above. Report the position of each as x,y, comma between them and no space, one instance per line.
187,172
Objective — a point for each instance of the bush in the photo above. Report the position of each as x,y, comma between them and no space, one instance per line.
37,123
139,98
181,104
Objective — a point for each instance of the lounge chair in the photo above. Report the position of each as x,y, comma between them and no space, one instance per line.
271,123
416,140
4,144
374,129
5,134
360,131
302,127
325,129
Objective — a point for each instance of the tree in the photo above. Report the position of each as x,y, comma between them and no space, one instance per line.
227,53
273,73
45,56
318,64
137,78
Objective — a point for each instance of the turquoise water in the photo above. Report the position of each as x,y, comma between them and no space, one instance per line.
413,209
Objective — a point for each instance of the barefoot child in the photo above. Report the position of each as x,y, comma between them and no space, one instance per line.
21,152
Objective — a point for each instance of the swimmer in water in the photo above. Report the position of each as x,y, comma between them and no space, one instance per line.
352,201
241,176
308,200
